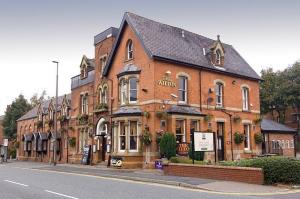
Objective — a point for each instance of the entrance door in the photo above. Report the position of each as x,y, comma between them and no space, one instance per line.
103,147
220,140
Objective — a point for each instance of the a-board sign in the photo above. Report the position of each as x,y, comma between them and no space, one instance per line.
117,161
86,155
204,141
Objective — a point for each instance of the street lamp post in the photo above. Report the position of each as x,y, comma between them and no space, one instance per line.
55,117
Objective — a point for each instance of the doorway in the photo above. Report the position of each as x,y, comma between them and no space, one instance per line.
220,140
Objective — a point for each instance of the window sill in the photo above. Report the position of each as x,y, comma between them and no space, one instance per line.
248,151
246,111
127,60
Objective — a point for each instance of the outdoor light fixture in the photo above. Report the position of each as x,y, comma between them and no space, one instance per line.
168,72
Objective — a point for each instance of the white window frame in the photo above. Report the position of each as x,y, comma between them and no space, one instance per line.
51,114
84,104
248,136
119,136
129,49
184,130
130,89
245,98
137,136
219,94
123,92
184,90
218,57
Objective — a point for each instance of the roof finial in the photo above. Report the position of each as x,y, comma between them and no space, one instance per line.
218,36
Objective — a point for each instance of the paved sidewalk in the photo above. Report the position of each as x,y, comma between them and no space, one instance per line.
155,176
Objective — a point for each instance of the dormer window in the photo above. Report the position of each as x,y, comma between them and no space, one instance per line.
129,49
218,57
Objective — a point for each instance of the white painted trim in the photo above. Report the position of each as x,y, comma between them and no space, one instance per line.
246,121
219,81
220,120
183,74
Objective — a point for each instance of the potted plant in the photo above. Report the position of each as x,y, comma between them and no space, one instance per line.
238,138
258,137
237,119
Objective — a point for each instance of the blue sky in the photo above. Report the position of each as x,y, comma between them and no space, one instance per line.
34,32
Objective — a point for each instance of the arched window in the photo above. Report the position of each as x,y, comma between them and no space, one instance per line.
101,127
132,90
219,94
218,57
51,113
129,49
104,95
245,96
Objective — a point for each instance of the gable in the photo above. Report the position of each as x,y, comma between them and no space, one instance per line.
164,42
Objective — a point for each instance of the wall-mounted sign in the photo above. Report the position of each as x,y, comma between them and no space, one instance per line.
166,81
5,142
204,141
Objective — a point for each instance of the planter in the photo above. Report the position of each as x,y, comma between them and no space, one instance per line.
102,107
146,138
258,137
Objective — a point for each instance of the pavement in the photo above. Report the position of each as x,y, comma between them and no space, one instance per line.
157,177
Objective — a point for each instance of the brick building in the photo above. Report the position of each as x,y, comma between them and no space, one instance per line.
149,76
1,129
279,139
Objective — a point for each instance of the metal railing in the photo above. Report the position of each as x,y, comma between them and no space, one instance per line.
272,147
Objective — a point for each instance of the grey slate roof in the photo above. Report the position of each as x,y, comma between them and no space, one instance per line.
128,111
184,110
103,35
271,126
165,42
77,81
129,68
33,112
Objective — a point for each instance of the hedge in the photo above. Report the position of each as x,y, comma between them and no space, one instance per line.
276,169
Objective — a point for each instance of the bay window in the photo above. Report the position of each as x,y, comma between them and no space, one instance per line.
123,92
180,131
133,135
122,136
132,90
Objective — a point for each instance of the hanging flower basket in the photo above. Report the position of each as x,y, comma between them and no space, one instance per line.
208,117
237,119
72,142
83,119
238,137
146,114
62,118
258,137
146,138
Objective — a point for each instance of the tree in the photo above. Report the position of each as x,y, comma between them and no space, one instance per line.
36,99
13,112
280,90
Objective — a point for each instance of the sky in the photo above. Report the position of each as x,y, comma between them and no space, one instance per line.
33,33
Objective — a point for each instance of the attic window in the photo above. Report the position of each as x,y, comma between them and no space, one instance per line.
83,72
218,57
129,49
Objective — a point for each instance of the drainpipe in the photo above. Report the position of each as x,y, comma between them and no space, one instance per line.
231,135
110,121
200,84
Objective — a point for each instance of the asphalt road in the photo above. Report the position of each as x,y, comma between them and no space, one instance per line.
18,181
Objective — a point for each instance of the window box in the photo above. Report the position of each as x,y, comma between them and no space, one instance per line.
102,107
63,118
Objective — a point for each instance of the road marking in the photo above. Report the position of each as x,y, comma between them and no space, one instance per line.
60,194
24,185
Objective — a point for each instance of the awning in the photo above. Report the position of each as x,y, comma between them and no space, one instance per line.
54,135
43,136
27,137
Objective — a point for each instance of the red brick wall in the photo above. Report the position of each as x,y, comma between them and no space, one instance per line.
1,132
287,151
238,174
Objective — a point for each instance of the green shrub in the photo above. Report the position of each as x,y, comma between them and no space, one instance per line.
168,145
12,152
184,160
276,169
198,155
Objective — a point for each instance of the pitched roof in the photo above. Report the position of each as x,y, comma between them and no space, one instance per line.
33,112
184,110
165,42
271,126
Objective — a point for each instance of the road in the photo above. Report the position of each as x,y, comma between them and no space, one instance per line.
19,181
